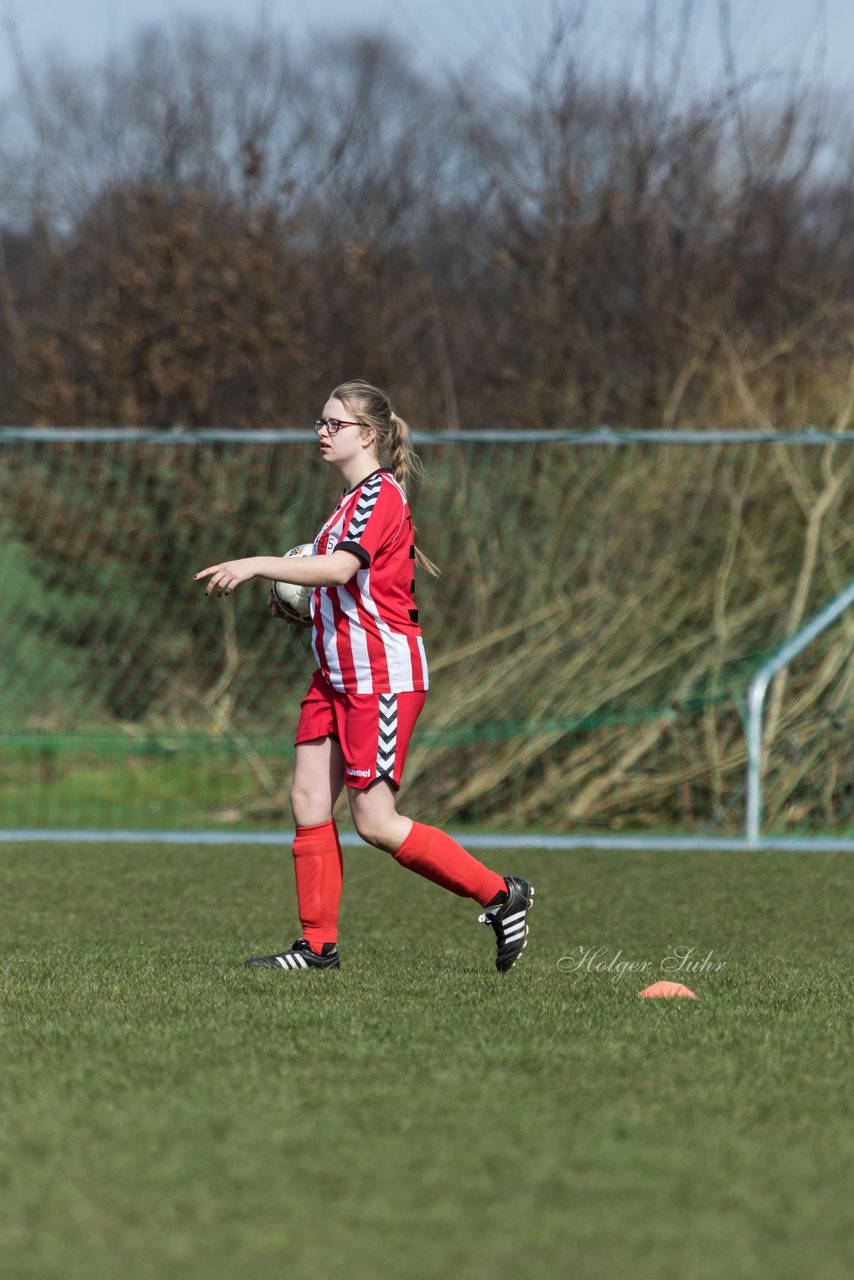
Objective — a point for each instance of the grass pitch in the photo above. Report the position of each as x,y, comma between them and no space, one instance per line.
166,1112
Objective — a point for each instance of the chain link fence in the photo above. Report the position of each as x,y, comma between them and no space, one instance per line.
604,600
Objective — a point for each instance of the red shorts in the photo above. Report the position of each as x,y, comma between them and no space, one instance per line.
373,729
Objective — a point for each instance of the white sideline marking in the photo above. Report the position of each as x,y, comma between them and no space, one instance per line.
471,839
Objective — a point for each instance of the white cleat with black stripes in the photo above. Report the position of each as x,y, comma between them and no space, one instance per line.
510,922
299,956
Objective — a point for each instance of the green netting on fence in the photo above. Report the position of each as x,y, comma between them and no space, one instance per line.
600,611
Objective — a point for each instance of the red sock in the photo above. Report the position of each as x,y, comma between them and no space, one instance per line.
439,858
319,871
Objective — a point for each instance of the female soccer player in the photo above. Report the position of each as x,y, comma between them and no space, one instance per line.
358,715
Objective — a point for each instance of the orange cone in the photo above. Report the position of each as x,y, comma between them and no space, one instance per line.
668,989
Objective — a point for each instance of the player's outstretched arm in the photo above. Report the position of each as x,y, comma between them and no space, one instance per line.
302,571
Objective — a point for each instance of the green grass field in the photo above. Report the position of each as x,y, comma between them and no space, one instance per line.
166,1112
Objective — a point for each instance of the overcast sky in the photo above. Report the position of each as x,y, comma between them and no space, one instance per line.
771,38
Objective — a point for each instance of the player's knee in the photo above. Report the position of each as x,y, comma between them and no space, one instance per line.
374,830
308,808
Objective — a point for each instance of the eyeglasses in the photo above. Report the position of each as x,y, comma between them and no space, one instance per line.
333,425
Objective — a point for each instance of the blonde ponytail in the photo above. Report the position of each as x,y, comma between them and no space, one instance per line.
404,460
372,408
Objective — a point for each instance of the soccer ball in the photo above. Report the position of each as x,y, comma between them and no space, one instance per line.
295,601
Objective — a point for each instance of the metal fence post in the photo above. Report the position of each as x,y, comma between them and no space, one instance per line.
756,700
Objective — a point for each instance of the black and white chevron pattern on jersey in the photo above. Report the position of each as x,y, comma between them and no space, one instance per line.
387,742
364,507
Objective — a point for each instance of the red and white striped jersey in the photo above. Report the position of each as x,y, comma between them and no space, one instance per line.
365,634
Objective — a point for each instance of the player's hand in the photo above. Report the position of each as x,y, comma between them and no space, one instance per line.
273,606
276,612
226,577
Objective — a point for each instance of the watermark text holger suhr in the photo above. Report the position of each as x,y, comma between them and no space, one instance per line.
679,961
